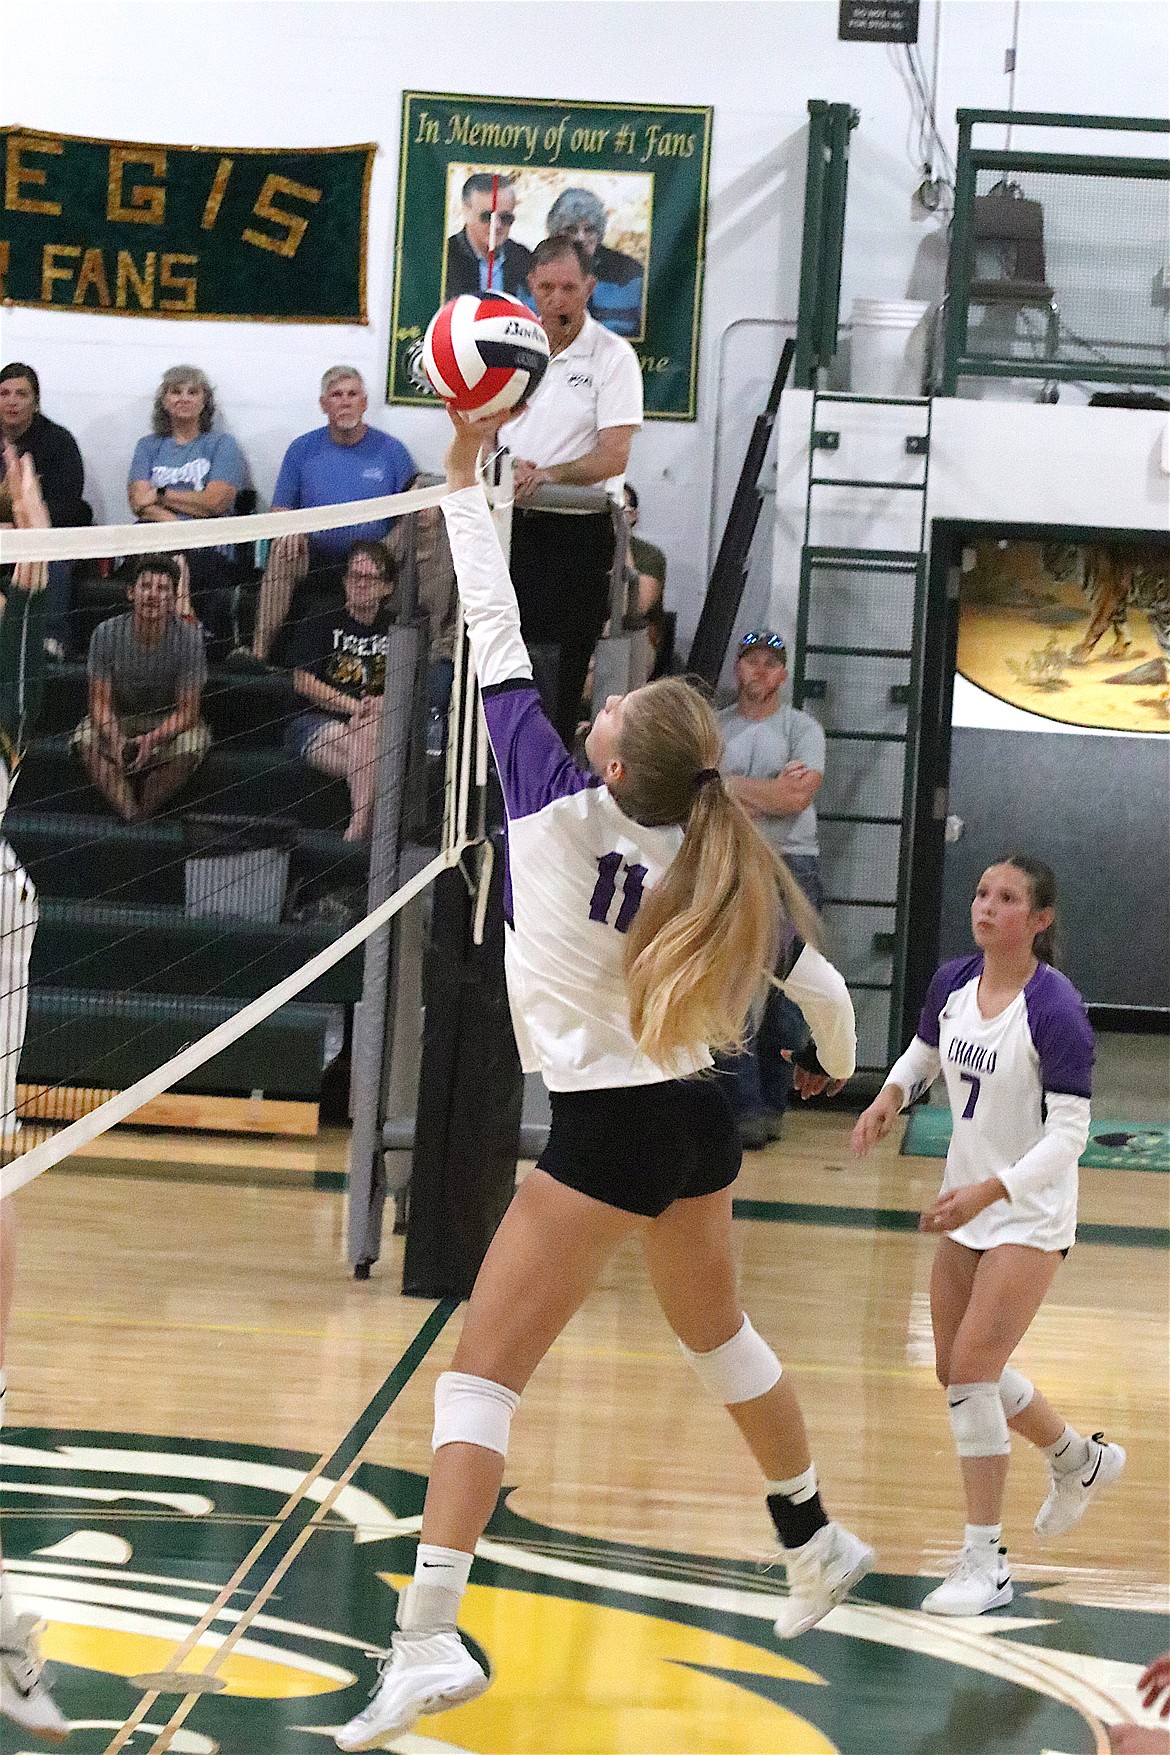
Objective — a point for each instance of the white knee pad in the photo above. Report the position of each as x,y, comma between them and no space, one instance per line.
978,1420
740,1370
1015,1391
473,1410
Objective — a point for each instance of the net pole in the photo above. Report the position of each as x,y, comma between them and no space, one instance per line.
367,1191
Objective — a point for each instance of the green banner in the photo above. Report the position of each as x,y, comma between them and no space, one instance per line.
232,233
637,171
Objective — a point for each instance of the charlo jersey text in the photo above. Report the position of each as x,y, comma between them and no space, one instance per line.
577,866
1019,1086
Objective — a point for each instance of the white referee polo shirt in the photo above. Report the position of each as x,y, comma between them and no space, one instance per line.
593,383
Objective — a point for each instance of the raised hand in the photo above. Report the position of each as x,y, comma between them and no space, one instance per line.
29,511
1156,1681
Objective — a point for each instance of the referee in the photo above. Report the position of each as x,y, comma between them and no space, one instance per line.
576,433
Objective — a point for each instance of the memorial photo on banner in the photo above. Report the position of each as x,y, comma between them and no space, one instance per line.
483,180
609,213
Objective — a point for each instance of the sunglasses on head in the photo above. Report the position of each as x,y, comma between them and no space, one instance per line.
501,218
761,637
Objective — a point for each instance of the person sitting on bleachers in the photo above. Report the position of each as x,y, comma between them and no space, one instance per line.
331,465
61,473
182,470
143,736
339,669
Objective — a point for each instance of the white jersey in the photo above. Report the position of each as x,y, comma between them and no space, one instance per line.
577,866
594,383
1019,1087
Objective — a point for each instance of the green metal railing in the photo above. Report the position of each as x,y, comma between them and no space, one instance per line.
1106,245
829,128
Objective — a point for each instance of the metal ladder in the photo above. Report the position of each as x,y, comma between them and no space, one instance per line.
858,668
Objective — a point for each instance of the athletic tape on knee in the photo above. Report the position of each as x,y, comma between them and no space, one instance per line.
1015,1391
977,1419
740,1370
473,1410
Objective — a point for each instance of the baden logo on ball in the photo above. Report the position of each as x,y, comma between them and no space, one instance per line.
484,355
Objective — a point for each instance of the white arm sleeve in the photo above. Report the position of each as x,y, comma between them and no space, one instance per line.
820,991
486,589
1066,1133
915,1070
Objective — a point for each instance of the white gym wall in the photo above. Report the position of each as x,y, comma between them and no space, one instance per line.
302,72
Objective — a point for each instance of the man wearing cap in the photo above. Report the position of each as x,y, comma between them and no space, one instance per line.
774,762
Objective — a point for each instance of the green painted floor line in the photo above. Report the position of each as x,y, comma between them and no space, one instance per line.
380,1404
361,1431
228,1175
785,1212
1113,1145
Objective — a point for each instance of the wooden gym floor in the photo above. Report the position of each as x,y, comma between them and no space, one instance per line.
188,1343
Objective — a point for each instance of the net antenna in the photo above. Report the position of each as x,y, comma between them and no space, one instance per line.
493,227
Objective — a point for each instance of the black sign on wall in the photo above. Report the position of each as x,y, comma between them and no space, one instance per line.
878,21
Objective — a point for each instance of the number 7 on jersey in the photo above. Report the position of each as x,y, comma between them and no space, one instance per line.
973,1095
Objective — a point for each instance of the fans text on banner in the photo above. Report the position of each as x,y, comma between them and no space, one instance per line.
137,230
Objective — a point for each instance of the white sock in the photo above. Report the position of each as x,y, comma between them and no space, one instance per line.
430,1604
800,1488
983,1537
1070,1452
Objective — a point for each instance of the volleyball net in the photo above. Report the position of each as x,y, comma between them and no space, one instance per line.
238,747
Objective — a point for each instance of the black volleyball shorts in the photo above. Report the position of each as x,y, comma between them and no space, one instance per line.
640,1147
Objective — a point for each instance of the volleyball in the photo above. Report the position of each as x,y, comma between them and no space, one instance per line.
484,355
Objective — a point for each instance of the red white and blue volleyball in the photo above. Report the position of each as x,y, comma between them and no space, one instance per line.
484,355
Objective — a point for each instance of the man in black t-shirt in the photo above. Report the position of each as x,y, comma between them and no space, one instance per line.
339,670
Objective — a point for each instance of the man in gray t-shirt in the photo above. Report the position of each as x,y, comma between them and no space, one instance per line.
143,737
774,762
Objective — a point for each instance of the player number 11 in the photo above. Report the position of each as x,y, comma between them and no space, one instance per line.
604,890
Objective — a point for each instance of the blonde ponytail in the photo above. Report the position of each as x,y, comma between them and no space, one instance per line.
705,939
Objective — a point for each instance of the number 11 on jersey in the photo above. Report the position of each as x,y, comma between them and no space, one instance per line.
605,889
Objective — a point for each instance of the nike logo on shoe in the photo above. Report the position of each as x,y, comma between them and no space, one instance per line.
1096,1466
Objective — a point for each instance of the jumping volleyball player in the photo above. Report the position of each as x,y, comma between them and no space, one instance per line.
24,1697
644,913
1010,1036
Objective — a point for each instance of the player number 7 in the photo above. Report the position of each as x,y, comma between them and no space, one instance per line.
973,1098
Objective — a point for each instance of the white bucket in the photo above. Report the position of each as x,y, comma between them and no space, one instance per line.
888,347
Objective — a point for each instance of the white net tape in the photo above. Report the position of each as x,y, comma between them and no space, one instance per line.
99,541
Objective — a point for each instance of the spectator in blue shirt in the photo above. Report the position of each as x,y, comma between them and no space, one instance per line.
181,470
341,461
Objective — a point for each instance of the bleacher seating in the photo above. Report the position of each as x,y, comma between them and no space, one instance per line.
121,976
